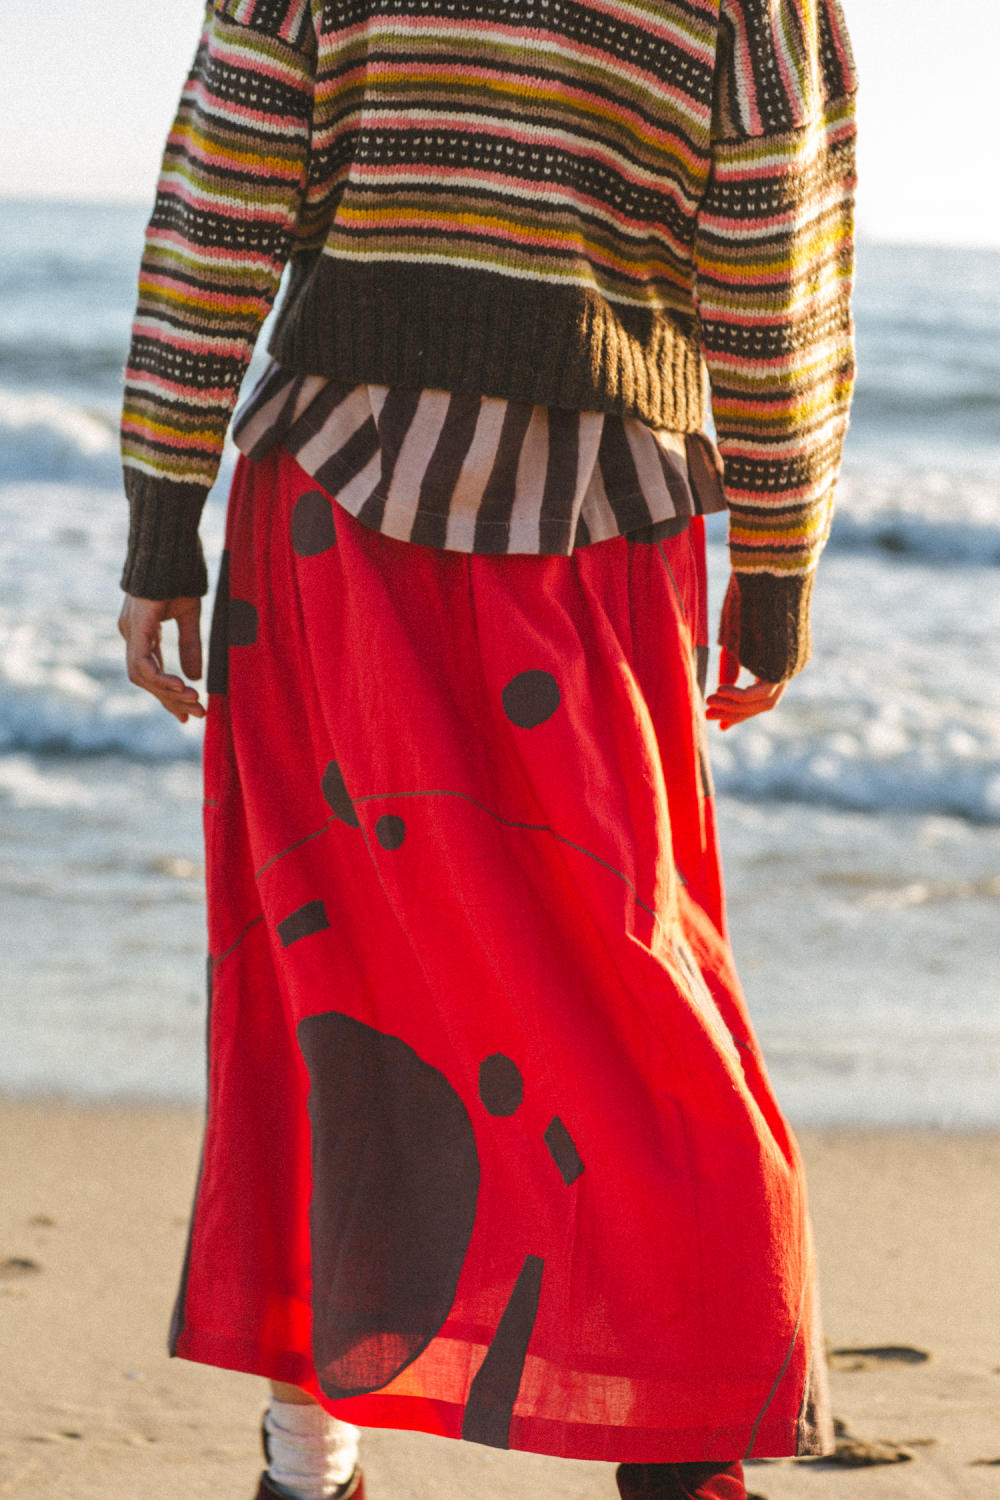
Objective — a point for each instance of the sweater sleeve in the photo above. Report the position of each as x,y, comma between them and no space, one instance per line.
223,226
774,267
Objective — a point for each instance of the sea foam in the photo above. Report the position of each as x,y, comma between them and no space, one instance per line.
47,437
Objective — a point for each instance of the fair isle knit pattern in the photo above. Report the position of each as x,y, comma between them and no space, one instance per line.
580,205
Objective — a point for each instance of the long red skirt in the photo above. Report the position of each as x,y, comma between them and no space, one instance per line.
490,1151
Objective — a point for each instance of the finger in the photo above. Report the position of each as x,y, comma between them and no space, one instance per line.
738,715
177,696
739,706
725,719
720,704
192,711
754,692
181,705
729,668
189,641
731,705
146,671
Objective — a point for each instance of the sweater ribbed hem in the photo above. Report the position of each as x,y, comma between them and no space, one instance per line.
765,623
164,559
469,331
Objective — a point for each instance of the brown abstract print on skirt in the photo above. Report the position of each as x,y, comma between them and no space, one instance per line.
491,1151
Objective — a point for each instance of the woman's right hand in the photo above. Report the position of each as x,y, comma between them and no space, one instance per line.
731,704
141,624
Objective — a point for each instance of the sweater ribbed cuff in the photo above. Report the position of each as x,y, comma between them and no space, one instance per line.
164,559
765,623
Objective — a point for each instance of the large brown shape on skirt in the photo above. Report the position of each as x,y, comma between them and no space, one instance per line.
395,1188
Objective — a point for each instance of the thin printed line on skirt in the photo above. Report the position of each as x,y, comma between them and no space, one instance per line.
781,1373
306,838
544,828
670,575
516,823
511,823
233,946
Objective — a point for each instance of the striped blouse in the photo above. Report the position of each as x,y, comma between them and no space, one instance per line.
481,474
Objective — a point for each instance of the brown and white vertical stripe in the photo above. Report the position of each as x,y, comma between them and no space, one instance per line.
477,473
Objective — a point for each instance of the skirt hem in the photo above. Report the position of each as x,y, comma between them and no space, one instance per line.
555,1439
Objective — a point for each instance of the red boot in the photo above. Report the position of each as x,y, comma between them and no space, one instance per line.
703,1481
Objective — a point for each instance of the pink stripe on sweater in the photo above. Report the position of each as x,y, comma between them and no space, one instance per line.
705,52
768,316
262,67
220,300
609,64
176,441
781,402
214,346
218,255
547,191
817,356
529,82
768,451
220,396
789,162
788,76
511,235
840,42
290,25
746,87
278,215
214,158
736,229
803,492
280,126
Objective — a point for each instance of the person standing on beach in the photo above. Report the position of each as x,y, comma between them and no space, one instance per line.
491,1151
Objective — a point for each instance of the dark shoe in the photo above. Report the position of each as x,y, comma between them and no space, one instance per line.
704,1481
353,1489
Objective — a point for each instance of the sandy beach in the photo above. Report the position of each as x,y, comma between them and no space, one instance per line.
92,1228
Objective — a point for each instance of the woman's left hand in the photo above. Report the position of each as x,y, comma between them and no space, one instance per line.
731,704
141,624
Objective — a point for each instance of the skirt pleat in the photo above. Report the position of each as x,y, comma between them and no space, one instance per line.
491,1151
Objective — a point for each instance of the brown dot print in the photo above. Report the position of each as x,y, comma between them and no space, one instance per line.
313,527
390,831
501,1087
530,698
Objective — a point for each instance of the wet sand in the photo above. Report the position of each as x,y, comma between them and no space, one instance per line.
93,1217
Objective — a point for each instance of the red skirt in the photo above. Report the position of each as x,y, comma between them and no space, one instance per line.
491,1151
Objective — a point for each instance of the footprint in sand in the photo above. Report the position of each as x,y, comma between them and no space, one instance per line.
866,1356
858,1453
861,1453
17,1265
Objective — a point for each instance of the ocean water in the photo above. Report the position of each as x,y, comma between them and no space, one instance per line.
860,821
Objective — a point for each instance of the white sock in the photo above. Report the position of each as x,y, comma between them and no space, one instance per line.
312,1454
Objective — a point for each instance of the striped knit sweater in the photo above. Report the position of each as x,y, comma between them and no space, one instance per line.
580,203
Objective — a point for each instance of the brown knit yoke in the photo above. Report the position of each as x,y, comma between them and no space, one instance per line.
582,205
